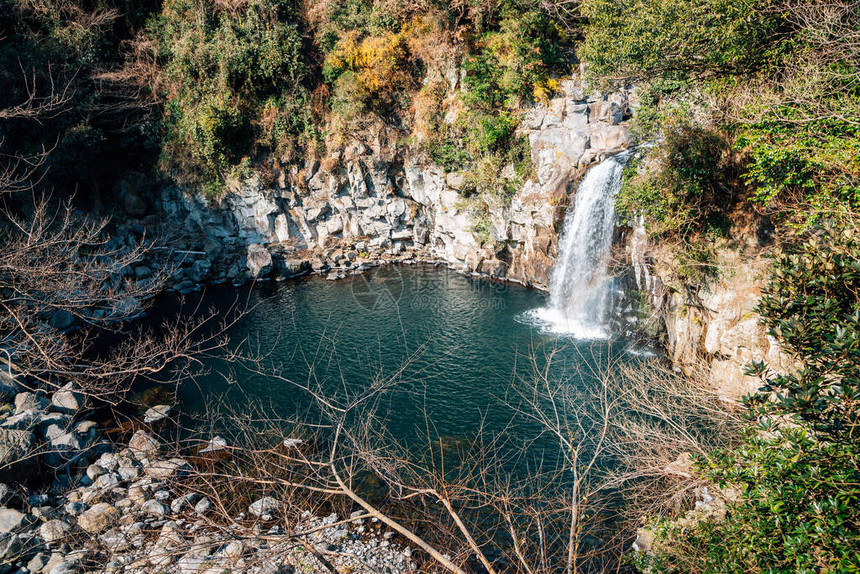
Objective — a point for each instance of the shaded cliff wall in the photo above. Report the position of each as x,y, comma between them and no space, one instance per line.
710,329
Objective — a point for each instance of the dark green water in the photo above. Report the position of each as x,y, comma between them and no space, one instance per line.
453,343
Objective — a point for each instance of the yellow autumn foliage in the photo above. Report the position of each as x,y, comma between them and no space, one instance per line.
380,63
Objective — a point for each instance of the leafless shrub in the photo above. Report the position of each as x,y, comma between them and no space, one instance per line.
60,268
617,435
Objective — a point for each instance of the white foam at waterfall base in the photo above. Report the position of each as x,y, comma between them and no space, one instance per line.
579,288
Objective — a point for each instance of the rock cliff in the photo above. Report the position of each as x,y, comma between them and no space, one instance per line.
377,196
711,328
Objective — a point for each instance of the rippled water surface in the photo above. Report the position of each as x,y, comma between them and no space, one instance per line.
454,343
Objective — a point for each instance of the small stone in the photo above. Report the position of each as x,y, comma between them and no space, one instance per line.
108,461
53,560
114,540
94,471
214,445
85,427
163,469
155,508
203,506
128,473
186,500
293,442
137,495
37,562
106,481
75,508
98,518
66,567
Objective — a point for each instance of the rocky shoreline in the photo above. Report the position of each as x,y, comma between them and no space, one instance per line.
74,502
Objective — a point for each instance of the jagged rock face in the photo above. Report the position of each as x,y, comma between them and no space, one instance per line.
711,329
376,196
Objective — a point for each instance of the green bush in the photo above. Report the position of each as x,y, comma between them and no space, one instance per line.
812,306
798,512
685,183
233,79
816,164
515,62
682,39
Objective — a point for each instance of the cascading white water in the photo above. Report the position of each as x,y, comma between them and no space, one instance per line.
579,288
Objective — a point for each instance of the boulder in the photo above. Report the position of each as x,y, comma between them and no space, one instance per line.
26,401
186,286
8,387
87,431
44,421
10,546
259,261
67,400
8,496
132,200
609,138
156,414
54,530
200,270
98,518
12,520
62,320
16,450
25,420
293,267
144,445
37,562
607,112
67,442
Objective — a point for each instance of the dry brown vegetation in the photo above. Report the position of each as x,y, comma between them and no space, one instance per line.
482,501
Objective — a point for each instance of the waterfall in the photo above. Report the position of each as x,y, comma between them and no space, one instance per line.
580,285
